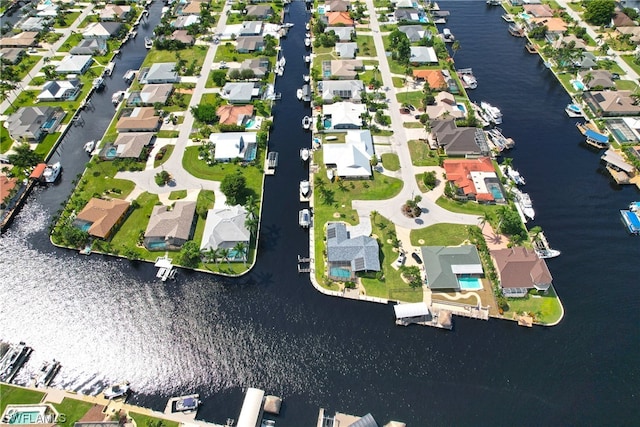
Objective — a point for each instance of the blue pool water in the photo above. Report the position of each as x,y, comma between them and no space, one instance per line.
469,283
156,245
340,272
525,15
249,123
620,136
321,10
85,227
251,155
424,20
577,84
49,124
111,153
462,108
327,123
495,191
327,73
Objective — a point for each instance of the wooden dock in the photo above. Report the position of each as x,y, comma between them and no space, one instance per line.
304,264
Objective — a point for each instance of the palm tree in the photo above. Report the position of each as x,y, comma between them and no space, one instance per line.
250,204
455,48
224,253
485,219
251,222
587,78
241,248
507,162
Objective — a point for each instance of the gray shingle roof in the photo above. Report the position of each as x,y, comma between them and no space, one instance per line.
171,224
362,251
440,263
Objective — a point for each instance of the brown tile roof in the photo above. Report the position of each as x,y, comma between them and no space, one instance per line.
6,185
103,215
193,8
334,18
141,118
459,171
554,25
24,39
519,267
173,223
433,77
229,114
621,19
182,36
539,10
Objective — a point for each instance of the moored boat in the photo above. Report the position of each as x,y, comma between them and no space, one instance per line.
594,138
307,58
304,218
307,42
467,78
516,30
148,43
531,48
52,173
306,122
306,77
47,373
89,146
574,110
631,218
494,113
524,202
447,36
304,154
541,247
116,391
515,176
117,97
187,403
299,94
13,360
508,17
304,188
98,83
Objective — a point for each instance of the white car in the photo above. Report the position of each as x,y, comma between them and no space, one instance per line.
400,261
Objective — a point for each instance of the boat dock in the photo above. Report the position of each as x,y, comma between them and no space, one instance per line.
170,409
594,138
271,163
13,360
631,218
420,314
304,264
166,269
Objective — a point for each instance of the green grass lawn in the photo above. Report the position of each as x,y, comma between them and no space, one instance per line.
89,19
73,409
413,125
471,208
47,144
166,156
5,140
147,421
10,395
630,60
390,161
177,195
626,85
546,309
126,238
69,18
413,98
366,47
189,54
440,235
70,42
398,82
421,154
168,134
227,52
99,179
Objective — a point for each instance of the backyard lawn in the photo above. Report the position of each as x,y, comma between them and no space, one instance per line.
73,410
440,235
390,161
190,54
546,309
147,421
10,395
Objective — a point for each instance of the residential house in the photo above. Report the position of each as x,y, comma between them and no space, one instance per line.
46,9
246,44
586,61
7,186
90,47
160,72
170,227
230,146
241,92
21,40
34,23
139,119
351,159
351,255
185,21
225,228
339,18
259,66
150,95
74,64
415,33
194,7
601,79
234,114
464,141
102,30
621,19
114,12
634,31
347,50
569,40
100,217
444,265
434,78
403,3
343,33
182,36
346,90
519,270
474,179
31,124
408,15
128,145
343,115
612,103
445,106
343,69
423,55
555,26
260,11
251,28
439,17
538,10
11,55
336,6
60,90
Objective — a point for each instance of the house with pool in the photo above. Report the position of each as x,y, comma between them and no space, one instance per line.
170,227
474,179
31,124
347,255
226,228
452,268
520,270
128,145
100,218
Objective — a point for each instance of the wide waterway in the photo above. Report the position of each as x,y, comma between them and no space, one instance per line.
107,319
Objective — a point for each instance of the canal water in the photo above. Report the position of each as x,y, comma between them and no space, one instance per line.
109,320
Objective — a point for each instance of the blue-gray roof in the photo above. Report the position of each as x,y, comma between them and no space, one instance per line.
362,251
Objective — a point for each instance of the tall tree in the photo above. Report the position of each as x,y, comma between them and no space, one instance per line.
599,12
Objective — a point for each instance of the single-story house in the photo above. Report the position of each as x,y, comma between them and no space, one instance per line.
474,179
609,103
60,90
343,33
74,64
225,228
434,78
347,50
403,3
114,12
555,26
151,94
346,90
621,19
11,55
182,36
6,187
47,10
138,119
408,15
520,269
251,28
338,18
24,39
423,55
241,92
100,217
343,115
230,146
351,159
601,79
345,69
234,114
130,144
101,30
246,44
259,66
444,265
160,72
170,227
194,7
586,61
90,47
538,10
567,40
415,33
462,142
34,23
634,31
445,105
30,124
336,6
349,255
185,21
260,11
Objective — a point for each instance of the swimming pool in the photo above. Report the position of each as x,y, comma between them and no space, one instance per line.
462,108
251,153
495,190
525,15
249,123
620,136
469,283
111,153
341,272
321,10
155,246
49,124
577,84
327,123
27,414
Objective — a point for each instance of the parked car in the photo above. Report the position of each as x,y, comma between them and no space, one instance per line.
416,257
400,261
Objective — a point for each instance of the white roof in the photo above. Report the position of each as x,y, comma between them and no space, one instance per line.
345,113
467,269
230,145
424,54
411,310
251,408
352,159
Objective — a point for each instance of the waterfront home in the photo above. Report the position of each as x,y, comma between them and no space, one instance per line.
225,228
7,186
229,146
408,15
538,10
403,3
445,105
346,50
74,64
519,270
251,28
423,55
344,90
170,227
338,18
343,33
21,40
351,159
159,72
586,61
555,26
446,266
608,103
34,23
114,12
568,41
185,21
459,142
621,19
336,6
60,90
434,78
90,47
259,11
183,37
150,95
11,55
138,119
31,124
99,218
193,7
127,145
474,179
101,30
259,66
241,92
348,255
247,44
343,115
415,33
342,69
237,115
601,79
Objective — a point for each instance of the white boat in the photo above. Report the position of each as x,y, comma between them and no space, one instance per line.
515,176
129,76
116,391
89,146
13,360
499,140
494,113
117,97
52,173
524,201
307,58
304,218
307,42
306,122
133,34
98,83
282,61
547,253
304,154
508,17
447,36
469,81
148,43
108,70
541,246
307,26
304,188
574,110
306,77
188,403
299,94
47,373
287,25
